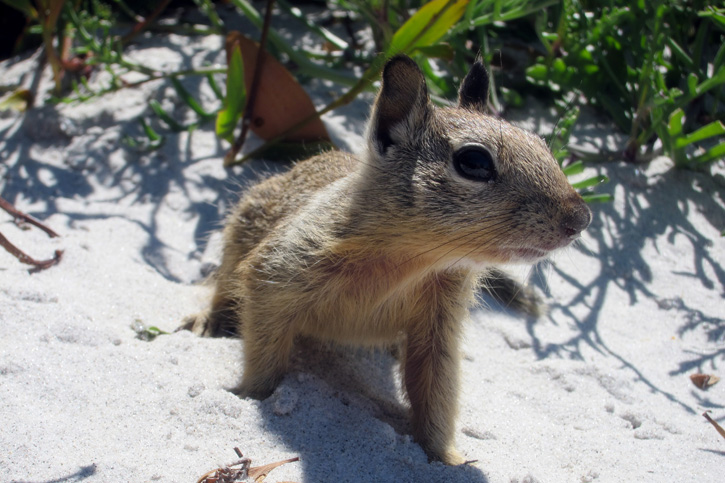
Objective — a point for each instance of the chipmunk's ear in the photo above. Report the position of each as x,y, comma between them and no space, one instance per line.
402,102
473,93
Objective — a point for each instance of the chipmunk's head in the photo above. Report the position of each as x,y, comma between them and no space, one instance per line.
480,190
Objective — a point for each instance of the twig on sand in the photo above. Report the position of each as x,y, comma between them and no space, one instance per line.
38,265
19,215
714,423
228,474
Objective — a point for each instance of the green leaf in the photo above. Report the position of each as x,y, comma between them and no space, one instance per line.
574,168
428,25
226,121
537,72
674,127
165,116
589,182
152,141
438,51
189,99
149,131
585,55
233,107
147,333
717,15
156,331
597,198
215,87
559,66
314,27
715,128
692,84
712,154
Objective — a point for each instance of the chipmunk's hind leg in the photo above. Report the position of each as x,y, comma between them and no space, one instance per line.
512,294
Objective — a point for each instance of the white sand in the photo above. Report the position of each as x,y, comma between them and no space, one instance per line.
596,391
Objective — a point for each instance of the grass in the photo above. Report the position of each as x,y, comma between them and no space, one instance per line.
656,68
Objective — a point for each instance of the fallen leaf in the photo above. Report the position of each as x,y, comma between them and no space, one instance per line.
259,473
280,101
704,381
18,100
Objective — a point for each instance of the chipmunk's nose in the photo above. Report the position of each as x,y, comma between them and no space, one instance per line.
576,220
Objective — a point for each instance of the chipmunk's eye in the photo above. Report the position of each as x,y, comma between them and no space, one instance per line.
475,163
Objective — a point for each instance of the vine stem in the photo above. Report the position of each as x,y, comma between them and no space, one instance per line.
372,72
251,100
17,252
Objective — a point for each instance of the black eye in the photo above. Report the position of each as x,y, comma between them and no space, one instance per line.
475,163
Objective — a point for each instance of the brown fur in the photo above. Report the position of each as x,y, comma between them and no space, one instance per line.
390,246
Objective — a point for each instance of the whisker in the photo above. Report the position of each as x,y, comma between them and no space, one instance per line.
462,237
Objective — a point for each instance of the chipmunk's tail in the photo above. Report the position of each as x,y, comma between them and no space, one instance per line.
512,294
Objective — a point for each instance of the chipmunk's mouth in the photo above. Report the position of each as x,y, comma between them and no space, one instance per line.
513,255
525,254
530,254
534,254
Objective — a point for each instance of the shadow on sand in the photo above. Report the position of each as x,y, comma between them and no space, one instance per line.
655,207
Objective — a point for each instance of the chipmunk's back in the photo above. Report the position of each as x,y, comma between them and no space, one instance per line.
268,203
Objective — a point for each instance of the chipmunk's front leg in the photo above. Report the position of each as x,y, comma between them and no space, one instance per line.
268,345
431,378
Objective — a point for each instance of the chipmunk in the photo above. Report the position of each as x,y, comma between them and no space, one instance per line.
389,247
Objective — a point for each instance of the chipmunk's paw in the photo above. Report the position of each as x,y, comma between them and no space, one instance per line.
452,457
449,456
256,390
197,323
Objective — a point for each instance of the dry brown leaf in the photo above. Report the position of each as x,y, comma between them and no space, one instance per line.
280,102
230,474
704,381
259,473
18,100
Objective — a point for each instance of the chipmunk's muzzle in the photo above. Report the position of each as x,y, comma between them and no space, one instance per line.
575,220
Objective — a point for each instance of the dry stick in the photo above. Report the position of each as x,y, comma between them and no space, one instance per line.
18,253
141,26
5,205
367,78
263,470
28,260
48,18
718,428
249,111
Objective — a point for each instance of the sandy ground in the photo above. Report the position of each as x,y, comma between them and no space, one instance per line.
598,390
